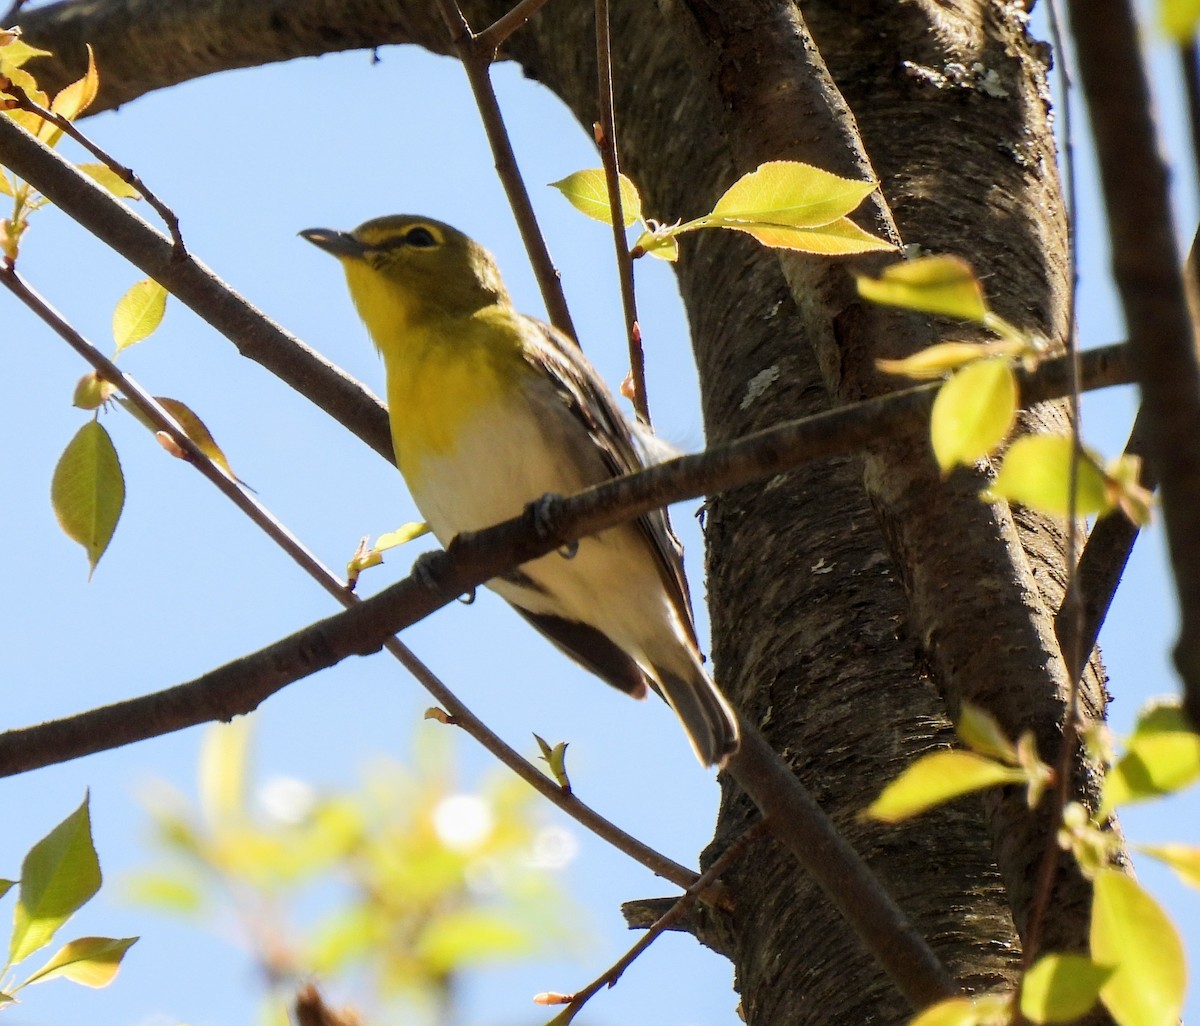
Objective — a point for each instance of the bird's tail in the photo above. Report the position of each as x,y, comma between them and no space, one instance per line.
707,716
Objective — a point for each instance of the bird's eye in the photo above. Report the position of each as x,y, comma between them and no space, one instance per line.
422,238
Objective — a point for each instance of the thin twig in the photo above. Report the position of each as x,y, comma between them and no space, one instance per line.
493,37
6,19
606,139
265,521
1147,271
673,915
476,60
126,174
1072,609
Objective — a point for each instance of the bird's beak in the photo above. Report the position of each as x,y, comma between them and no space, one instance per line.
340,244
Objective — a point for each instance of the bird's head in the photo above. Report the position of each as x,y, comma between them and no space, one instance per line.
404,269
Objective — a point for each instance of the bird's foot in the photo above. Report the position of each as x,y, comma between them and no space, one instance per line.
429,571
545,514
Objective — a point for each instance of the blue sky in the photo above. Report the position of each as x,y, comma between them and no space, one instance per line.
247,159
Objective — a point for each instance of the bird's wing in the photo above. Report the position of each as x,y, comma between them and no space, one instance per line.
589,400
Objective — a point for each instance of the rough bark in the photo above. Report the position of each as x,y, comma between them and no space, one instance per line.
849,644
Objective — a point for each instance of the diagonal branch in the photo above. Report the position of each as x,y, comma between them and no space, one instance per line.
1146,267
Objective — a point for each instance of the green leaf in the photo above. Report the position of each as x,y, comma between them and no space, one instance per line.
224,770
107,178
1061,988
955,1011
138,313
402,535
1132,934
784,192
192,426
981,733
1183,858
938,360
60,873
90,961
16,52
556,758
168,892
657,242
6,886
1161,756
471,936
1178,18
937,778
1036,473
944,285
837,238
973,413
88,490
588,193
74,99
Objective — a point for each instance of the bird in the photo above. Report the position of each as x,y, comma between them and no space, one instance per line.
490,410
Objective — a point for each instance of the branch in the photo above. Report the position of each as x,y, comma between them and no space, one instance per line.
476,557
255,335
1146,266
606,139
476,60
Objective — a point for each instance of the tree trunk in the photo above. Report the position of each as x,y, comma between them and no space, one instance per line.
849,621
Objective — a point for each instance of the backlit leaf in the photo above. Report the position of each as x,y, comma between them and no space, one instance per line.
1179,17
1131,934
1061,988
784,192
138,313
944,285
937,778
973,413
17,52
837,238
1183,858
222,772
1161,756
90,961
59,875
106,177
88,490
981,733
74,99
1036,473
660,243
587,192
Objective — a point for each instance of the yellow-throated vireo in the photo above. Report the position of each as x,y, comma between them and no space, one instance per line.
489,411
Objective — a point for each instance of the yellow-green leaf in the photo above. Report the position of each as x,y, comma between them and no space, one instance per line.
588,193
1183,858
990,1009
59,875
471,936
138,313
92,391
981,733
105,176
944,285
1036,473
1061,988
90,961
74,99
937,361
555,756
1161,756
937,778
6,187
973,413
88,490
16,52
784,192
658,242
401,536
841,237
196,430
223,771
1178,18
1131,934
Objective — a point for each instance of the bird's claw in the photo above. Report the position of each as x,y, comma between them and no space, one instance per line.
545,515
